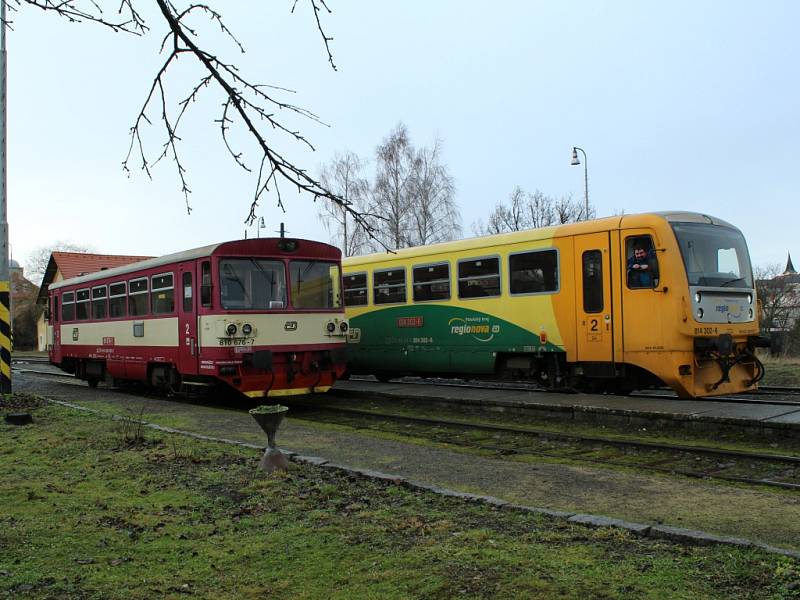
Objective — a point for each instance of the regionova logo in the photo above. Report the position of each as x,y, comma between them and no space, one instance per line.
477,327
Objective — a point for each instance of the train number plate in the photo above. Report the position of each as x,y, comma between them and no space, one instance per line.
240,341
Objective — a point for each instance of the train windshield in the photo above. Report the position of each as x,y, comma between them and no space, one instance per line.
714,255
252,284
315,284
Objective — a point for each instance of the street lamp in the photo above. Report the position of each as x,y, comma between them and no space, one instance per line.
576,161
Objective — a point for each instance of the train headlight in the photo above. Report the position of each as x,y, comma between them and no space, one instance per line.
751,313
331,327
697,297
247,329
749,298
231,329
699,313
343,326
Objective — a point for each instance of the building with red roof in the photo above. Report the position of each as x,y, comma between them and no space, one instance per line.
66,265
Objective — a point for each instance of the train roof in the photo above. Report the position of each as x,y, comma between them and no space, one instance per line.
542,233
255,247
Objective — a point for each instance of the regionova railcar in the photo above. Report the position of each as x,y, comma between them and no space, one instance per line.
613,304
263,316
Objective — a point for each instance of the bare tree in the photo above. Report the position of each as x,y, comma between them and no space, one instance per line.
344,176
434,214
779,303
245,103
531,210
396,164
36,263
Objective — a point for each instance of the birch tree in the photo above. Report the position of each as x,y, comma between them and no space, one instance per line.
344,175
434,214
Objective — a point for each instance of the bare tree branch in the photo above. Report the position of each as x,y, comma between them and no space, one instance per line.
253,106
76,11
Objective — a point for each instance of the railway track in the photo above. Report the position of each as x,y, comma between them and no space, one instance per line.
753,468
780,393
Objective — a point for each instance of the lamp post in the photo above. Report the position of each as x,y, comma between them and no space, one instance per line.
576,161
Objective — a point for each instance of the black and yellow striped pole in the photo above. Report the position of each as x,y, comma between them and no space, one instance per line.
5,287
5,338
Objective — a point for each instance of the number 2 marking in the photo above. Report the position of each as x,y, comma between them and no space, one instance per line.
593,323
187,329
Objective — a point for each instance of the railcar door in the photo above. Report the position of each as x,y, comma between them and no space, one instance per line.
187,320
54,329
594,314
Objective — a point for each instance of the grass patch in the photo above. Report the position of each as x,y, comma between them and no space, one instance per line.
781,371
86,516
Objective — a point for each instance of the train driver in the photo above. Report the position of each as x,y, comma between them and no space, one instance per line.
642,268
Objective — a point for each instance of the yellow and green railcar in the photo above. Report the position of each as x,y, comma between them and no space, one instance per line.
612,304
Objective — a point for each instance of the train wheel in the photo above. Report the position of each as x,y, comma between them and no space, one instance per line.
92,382
384,377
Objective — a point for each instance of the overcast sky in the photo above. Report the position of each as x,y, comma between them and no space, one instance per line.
679,105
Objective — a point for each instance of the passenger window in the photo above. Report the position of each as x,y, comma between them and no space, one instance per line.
82,305
479,278
533,272
642,264
68,306
162,294
432,282
389,286
355,289
187,292
55,309
205,284
137,297
116,300
99,302
593,281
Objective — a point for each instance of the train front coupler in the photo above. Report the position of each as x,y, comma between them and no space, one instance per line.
726,353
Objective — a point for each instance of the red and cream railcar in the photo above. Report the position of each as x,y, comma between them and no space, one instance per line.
264,316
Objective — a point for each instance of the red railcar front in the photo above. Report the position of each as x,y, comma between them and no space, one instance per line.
263,316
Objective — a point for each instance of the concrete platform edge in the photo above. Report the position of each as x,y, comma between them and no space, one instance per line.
599,412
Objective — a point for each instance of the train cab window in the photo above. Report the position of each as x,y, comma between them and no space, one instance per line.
205,284
389,286
478,278
355,289
315,284
431,282
68,306
187,292
99,302
642,263
533,272
82,305
252,284
117,300
137,297
55,309
162,294
593,281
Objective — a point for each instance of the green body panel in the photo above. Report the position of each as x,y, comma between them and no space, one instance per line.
435,339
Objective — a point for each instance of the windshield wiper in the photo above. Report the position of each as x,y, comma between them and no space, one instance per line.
729,281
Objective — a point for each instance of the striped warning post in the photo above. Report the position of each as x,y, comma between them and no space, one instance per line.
5,339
